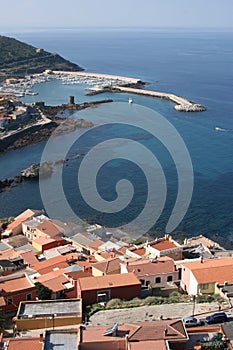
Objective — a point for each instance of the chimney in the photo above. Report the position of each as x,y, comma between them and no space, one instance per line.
41,338
165,332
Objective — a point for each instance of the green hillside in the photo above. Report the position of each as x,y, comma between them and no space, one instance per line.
18,59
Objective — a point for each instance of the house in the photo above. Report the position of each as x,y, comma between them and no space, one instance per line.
106,267
45,243
103,288
29,226
207,242
15,289
48,314
206,276
33,343
84,242
152,271
164,246
162,335
15,227
58,283
58,262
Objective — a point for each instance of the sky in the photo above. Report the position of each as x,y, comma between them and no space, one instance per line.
116,13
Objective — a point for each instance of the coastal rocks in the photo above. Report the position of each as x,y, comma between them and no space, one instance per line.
35,170
5,183
189,108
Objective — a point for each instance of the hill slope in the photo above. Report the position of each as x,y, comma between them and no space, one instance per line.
18,59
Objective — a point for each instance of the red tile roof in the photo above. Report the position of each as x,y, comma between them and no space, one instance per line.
151,267
24,343
140,251
164,244
60,261
29,258
49,228
109,281
212,270
156,331
108,266
15,285
75,275
54,280
95,244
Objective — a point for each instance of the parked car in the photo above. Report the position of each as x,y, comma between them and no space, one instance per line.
191,322
218,317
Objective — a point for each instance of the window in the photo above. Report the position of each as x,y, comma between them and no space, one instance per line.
29,296
169,278
142,282
158,280
9,301
147,283
204,286
103,296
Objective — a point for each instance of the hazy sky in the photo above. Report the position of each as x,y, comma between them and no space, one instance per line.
111,13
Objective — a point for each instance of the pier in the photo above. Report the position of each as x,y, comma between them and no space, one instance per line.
116,83
127,80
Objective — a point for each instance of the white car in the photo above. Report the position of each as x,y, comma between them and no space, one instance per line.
191,322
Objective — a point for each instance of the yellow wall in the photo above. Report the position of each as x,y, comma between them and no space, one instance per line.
46,322
37,246
96,272
210,290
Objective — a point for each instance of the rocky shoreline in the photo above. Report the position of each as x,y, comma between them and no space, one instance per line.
58,125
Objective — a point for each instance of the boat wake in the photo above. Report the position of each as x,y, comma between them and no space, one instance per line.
221,129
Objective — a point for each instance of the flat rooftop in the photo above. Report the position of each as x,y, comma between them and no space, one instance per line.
57,340
48,308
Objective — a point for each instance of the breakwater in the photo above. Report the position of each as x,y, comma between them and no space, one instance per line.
110,77
182,104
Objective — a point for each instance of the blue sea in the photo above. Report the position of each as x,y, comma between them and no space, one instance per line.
194,64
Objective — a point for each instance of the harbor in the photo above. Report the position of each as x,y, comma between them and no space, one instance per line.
96,83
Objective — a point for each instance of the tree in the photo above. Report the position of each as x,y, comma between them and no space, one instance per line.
43,292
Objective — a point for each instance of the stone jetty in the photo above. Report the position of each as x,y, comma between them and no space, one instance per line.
182,104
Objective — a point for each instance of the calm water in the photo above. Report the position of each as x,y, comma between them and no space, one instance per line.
198,66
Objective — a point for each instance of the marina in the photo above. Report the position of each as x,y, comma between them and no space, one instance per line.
95,84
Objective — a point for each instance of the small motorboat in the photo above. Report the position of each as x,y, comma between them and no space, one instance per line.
130,100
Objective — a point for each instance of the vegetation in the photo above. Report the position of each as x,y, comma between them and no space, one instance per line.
6,221
44,293
174,297
18,59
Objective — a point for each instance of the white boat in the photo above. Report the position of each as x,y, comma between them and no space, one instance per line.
130,100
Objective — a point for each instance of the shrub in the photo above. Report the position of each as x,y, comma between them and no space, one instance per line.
114,304
153,301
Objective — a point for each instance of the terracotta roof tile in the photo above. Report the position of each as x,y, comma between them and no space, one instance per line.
60,261
151,267
29,258
156,331
108,266
14,285
54,280
164,245
24,343
116,280
49,228
140,251
212,270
